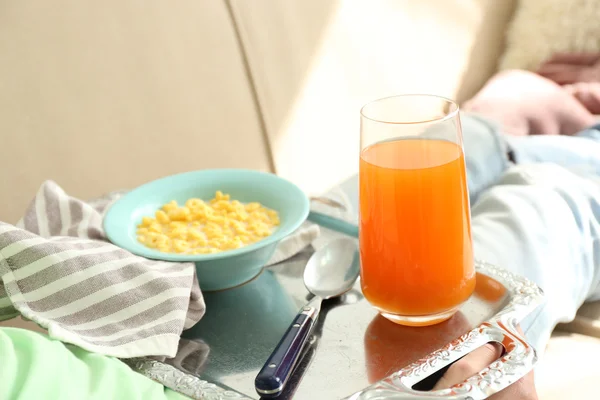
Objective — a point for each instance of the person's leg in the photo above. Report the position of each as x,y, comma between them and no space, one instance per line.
541,221
486,153
489,153
579,153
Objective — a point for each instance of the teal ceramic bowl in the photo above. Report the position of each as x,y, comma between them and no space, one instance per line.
220,270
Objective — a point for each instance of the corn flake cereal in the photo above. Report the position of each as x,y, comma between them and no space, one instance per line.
200,227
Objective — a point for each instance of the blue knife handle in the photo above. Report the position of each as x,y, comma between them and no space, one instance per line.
336,224
273,376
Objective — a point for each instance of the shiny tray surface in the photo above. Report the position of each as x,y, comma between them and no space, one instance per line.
352,347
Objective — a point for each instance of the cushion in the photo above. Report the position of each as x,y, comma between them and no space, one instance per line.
540,28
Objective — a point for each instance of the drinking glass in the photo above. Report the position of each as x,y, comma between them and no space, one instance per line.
415,226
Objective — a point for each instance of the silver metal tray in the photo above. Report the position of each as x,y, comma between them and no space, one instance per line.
354,353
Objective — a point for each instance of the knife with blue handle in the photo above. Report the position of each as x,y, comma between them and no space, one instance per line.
274,375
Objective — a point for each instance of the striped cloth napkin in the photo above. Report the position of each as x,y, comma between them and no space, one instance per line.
59,270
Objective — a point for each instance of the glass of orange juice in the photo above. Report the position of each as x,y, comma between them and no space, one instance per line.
415,226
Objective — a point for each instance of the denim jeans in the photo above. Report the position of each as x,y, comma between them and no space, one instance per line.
536,213
539,216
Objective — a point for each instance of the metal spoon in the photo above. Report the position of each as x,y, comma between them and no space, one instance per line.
330,272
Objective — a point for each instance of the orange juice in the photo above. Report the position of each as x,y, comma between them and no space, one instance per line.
415,230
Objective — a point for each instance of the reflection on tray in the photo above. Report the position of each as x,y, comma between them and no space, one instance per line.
191,356
390,347
236,318
352,346
489,289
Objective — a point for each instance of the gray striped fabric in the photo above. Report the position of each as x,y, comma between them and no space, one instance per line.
59,270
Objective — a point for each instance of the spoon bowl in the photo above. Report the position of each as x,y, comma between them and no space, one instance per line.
332,271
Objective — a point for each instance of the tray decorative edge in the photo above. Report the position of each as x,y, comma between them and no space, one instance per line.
179,381
520,358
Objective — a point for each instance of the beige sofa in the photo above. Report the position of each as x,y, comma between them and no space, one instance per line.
106,95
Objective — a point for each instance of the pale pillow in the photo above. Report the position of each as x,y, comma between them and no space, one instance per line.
541,28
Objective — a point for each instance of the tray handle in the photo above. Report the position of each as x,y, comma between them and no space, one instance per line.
518,360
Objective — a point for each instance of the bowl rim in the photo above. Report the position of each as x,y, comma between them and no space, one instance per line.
147,252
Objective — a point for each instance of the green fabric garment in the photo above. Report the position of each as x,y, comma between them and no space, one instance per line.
33,366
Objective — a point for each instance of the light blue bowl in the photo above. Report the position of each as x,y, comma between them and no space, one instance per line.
220,270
